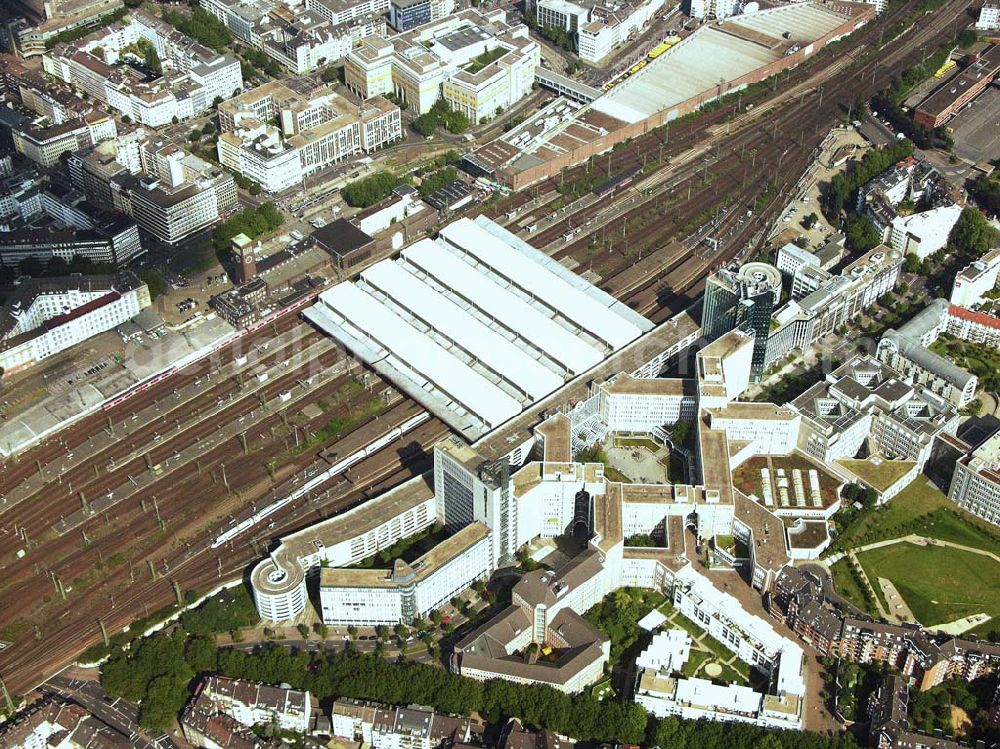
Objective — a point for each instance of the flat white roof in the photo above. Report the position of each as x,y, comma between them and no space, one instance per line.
476,243
494,351
506,307
703,693
651,621
716,52
413,350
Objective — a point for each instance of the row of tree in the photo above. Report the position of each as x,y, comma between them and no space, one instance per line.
844,186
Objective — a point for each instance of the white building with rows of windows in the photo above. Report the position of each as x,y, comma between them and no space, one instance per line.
312,133
46,316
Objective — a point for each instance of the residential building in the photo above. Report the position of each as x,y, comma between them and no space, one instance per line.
389,727
713,8
54,724
907,350
193,77
975,280
204,725
742,299
251,704
975,485
314,132
46,316
473,59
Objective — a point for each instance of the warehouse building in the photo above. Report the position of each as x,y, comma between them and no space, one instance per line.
959,90
716,60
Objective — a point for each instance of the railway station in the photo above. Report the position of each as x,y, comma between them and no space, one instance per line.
477,325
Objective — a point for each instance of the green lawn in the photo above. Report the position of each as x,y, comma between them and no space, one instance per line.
921,509
689,626
880,477
939,584
694,662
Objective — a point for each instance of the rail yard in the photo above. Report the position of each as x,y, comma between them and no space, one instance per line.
104,522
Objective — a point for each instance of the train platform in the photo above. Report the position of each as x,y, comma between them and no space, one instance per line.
79,381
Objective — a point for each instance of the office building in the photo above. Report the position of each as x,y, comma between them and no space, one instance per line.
866,400
958,90
167,191
279,581
314,132
989,17
742,299
46,316
975,485
597,28
114,240
476,61
825,302
408,591
923,234
544,613
405,15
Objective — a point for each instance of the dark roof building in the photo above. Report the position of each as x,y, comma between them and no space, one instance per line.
345,243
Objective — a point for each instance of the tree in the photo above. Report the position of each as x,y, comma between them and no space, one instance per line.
201,654
972,236
330,74
370,190
861,235
426,124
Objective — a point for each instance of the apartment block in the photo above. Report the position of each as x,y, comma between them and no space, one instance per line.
193,77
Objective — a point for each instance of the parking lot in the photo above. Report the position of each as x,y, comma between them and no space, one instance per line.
977,127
